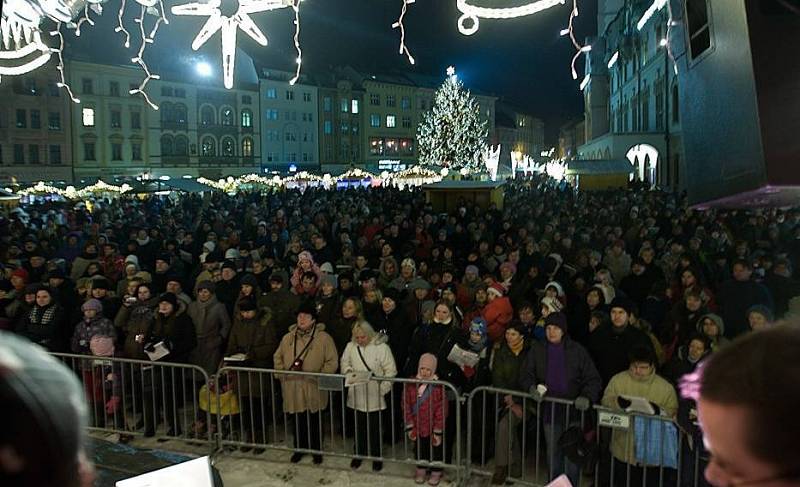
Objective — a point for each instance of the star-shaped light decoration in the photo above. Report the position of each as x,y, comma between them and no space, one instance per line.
229,25
451,71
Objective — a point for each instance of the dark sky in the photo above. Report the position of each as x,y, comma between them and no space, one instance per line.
523,60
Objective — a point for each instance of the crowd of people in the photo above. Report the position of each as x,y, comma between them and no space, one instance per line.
597,297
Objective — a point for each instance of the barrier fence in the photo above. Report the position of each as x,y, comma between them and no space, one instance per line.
523,438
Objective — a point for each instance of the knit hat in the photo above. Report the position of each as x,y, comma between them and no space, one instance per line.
553,304
326,267
558,319
472,269
165,257
623,303
392,294
479,326
57,273
92,304
249,280
247,304
21,273
101,283
328,279
132,259
557,286
207,285
308,308
229,265
232,253
418,284
169,298
427,360
409,262
305,255
509,266
497,289
762,310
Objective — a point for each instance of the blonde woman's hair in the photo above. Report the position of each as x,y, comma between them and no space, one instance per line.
363,326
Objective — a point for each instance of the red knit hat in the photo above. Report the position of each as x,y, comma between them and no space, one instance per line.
21,273
496,288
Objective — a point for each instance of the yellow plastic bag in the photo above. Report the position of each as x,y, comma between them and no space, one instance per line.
225,404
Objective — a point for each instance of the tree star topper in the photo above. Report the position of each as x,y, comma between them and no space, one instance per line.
229,26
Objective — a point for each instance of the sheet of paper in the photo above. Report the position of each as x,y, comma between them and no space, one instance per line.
159,351
356,378
237,357
194,473
462,357
560,481
638,405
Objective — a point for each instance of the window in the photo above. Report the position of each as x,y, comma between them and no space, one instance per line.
310,117
22,118
132,87
272,93
181,146
19,154
88,117
113,88
406,122
407,147
207,116
354,106
376,146
54,121
53,89
167,145
36,119
345,128
180,93
179,113
405,103
228,147
391,121
272,156
305,156
55,154
208,147
676,117
659,87
116,119
247,118
306,97
136,151
247,147
88,151
423,105
355,128
326,104
374,120
699,30
116,151
289,95
375,100
291,137
327,127
391,101
247,100
227,116
291,157
87,85
272,114
136,120
166,91
344,104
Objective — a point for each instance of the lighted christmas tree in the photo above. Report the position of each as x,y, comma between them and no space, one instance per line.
451,134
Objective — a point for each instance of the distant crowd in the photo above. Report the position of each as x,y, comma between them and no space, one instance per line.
602,296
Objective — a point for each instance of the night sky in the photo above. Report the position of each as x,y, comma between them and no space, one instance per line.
523,60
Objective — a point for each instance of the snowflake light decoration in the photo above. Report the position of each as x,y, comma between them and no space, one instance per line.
229,26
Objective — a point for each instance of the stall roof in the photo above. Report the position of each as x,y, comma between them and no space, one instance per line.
452,184
188,185
600,166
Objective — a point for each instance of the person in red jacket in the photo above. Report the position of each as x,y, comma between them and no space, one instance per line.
498,312
424,413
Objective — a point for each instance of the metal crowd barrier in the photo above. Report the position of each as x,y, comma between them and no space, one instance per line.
310,413
142,398
324,414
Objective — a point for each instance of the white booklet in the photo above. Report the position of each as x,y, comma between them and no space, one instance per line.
355,378
236,357
159,351
462,357
560,481
638,405
192,473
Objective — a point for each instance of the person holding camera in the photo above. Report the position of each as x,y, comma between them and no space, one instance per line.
305,348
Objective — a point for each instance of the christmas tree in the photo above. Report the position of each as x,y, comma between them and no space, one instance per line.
451,134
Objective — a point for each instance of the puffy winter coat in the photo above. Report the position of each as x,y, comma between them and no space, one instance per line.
301,393
498,313
430,414
256,339
378,356
211,325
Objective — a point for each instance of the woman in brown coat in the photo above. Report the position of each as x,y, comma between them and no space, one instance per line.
307,348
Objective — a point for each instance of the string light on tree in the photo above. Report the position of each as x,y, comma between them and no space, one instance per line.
452,134
473,13
229,26
399,25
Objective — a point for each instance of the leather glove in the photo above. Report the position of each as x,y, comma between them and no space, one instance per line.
623,403
655,407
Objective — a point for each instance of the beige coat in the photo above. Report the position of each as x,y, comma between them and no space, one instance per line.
301,393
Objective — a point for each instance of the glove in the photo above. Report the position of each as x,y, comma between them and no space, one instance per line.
436,439
623,403
113,404
538,392
655,408
150,347
582,403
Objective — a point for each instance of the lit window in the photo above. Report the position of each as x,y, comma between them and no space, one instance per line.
354,106
391,121
88,117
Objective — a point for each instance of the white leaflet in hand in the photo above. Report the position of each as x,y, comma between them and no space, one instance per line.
159,351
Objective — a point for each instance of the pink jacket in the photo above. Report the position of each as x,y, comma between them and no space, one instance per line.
430,414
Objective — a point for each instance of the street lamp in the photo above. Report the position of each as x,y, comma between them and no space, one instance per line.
203,68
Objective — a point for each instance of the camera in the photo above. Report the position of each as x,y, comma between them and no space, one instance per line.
297,365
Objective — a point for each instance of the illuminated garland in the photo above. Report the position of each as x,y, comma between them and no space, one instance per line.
399,25
356,173
474,13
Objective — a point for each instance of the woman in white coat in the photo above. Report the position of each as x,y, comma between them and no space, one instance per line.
368,352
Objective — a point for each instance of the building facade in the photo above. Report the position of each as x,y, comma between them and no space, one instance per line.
517,132
289,122
631,93
341,123
34,128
